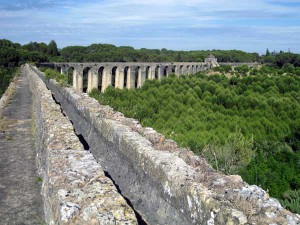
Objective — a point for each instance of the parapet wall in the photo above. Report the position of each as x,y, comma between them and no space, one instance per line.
165,184
75,188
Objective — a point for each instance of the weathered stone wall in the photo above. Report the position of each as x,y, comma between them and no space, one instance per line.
166,184
75,188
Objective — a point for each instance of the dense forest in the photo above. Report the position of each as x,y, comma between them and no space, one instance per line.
247,124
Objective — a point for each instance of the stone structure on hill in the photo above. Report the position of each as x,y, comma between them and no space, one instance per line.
211,59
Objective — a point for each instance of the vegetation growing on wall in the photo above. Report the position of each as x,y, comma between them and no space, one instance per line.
243,124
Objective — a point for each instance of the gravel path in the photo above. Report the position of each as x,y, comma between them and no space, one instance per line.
20,186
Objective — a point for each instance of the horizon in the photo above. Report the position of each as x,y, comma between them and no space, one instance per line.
152,24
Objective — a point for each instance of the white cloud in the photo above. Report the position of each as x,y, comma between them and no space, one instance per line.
156,23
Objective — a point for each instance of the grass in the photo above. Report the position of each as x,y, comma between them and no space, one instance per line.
4,123
39,179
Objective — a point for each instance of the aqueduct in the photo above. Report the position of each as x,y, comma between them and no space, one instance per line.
87,76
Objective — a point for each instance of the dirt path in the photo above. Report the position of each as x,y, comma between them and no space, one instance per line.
20,198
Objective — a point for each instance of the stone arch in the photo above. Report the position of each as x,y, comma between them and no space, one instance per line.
181,70
166,71
188,69
192,71
58,69
148,72
174,69
157,73
137,77
86,77
126,76
197,68
70,75
114,76
101,74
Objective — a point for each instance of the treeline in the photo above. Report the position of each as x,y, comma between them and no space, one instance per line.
6,76
14,54
111,53
281,59
248,125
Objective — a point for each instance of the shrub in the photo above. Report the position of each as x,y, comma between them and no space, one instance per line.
60,78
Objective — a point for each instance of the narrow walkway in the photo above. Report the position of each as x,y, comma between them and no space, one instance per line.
20,198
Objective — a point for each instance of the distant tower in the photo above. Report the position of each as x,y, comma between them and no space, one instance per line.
212,59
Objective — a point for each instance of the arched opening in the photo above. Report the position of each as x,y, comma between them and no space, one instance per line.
137,77
58,69
193,69
157,68
85,77
126,72
70,75
166,72
181,70
148,72
174,69
100,77
114,73
188,70
197,69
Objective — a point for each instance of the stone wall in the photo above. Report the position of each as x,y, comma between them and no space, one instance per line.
75,188
165,184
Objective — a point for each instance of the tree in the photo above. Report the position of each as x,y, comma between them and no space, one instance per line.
52,48
268,52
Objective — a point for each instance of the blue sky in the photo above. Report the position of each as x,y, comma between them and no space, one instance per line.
251,26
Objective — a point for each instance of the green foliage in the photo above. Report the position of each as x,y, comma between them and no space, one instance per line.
6,76
14,54
291,200
52,48
275,167
223,69
60,78
242,70
280,59
236,153
39,179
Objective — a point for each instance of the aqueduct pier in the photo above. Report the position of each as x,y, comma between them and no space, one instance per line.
87,76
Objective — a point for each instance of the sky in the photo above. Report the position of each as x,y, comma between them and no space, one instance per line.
249,25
